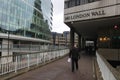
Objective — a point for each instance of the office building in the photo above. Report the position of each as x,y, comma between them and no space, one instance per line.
24,23
62,39
97,21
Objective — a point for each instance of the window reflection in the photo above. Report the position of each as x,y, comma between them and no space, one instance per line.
23,19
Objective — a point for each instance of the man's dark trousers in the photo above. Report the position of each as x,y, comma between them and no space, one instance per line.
74,64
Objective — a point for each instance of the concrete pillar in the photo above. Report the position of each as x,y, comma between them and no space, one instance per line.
79,41
95,44
82,42
71,37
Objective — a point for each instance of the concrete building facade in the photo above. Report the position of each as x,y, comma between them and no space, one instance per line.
62,38
97,21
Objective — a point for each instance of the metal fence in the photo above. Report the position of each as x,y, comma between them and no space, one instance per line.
14,63
30,47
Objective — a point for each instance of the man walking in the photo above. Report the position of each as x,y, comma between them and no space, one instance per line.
74,55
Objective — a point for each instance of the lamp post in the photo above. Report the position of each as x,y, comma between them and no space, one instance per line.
8,45
8,40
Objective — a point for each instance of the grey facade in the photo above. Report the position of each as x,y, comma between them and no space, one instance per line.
62,39
95,20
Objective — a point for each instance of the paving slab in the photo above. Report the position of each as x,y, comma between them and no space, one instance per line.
61,70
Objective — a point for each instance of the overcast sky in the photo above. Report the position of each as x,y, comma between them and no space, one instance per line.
58,14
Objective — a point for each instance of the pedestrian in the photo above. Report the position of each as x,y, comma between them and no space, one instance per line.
74,55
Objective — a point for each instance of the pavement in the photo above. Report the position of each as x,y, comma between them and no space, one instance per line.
61,70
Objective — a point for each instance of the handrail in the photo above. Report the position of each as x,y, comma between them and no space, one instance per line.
29,47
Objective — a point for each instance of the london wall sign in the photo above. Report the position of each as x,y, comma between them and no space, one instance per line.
91,14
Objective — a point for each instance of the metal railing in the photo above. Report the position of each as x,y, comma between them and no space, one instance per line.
28,47
14,63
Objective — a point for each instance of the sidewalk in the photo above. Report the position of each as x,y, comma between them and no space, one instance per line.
61,70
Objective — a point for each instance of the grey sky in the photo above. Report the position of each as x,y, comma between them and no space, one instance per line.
58,20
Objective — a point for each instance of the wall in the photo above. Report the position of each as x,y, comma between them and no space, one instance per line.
107,71
110,54
5,46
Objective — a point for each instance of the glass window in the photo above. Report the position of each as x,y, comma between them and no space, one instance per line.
18,12
66,4
12,10
11,28
91,0
77,2
27,24
1,6
11,19
4,18
22,14
0,16
72,3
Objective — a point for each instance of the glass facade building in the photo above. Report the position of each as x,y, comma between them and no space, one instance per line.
27,18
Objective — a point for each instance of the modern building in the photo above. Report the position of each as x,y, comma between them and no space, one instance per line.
62,38
24,24
97,21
